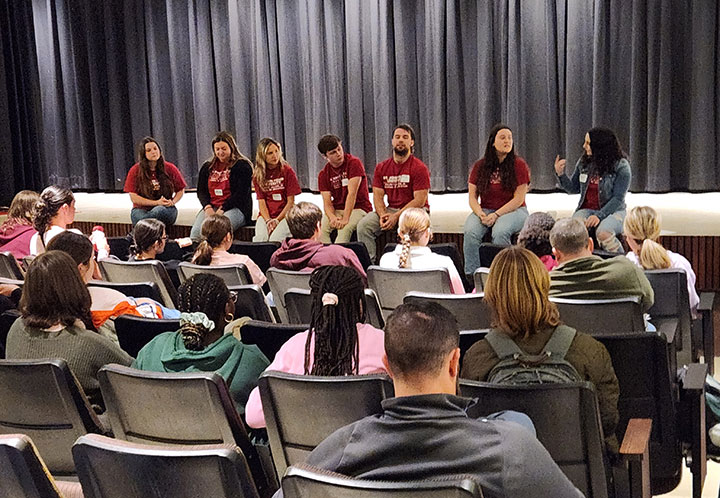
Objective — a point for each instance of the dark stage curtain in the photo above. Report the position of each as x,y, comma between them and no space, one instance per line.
112,72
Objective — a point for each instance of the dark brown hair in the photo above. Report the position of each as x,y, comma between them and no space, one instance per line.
302,219
508,180
21,210
54,293
77,246
144,181
145,233
214,230
50,202
328,143
235,154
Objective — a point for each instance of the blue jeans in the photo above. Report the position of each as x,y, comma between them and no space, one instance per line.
166,214
612,224
236,217
502,231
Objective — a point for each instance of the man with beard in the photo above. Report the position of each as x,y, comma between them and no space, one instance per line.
406,181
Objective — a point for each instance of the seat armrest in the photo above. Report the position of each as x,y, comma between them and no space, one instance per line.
694,379
691,423
668,327
635,449
707,301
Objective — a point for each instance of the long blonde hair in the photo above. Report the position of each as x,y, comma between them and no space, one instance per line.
412,225
517,291
642,223
260,168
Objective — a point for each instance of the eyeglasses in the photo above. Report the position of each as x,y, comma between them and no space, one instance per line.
233,296
164,238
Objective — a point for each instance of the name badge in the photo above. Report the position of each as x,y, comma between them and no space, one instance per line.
277,197
583,177
218,192
405,178
345,182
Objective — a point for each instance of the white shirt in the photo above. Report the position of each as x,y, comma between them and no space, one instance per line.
422,258
51,232
679,262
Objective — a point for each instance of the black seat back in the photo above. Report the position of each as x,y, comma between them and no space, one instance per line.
671,301
567,421
488,252
134,332
470,310
231,274
175,408
43,399
269,337
391,284
304,481
141,271
280,281
295,425
136,289
251,302
259,252
360,251
109,468
7,318
22,471
298,304
648,390
9,267
601,316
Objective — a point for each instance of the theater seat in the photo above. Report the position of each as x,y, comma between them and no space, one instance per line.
141,271
134,332
304,481
251,302
391,284
24,474
109,468
298,303
231,274
282,280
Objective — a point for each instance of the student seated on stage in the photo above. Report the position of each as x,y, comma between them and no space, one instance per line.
406,181
582,275
517,292
338,341
424,432
642,231
535,237
106,304
200,345
343,185
217,238
304,251
56,323
413,252
17,231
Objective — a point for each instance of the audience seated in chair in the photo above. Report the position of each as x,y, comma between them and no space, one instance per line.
217,238
17,230
535,237
642,231
517,292
304,251
106,304
425,432
337,343
415,234
56,322
53,212
200,345
581,275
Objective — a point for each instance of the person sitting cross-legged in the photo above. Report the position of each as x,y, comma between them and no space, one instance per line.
424,432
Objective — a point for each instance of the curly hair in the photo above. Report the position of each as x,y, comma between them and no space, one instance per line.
606,151
535,234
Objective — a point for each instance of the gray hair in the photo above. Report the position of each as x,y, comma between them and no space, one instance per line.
569,236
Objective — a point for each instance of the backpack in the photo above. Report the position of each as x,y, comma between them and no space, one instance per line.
519,368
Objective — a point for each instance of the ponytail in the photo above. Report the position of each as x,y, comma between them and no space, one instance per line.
203,254
214,230
653,256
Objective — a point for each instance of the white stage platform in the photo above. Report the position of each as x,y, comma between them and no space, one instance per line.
682,213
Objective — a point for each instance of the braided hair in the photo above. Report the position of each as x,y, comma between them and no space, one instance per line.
334,326
412,225
206,293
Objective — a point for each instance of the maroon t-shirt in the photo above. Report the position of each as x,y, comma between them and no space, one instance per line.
280,182
335,181
219,184
400,181
176,178
496,196
592,195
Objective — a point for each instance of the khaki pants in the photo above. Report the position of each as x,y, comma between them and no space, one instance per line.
344,234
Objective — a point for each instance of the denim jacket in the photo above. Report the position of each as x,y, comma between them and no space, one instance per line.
611,190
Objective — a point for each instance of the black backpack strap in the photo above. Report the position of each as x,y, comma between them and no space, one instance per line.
503,346
560,341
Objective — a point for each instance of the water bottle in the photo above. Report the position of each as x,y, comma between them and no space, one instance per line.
100,242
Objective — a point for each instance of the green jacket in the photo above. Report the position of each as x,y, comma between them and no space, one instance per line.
240,365
592,277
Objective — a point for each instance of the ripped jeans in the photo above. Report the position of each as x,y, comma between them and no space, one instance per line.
612,224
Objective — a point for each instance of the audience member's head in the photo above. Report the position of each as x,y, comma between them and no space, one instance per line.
217,233
642,230
56,206
421,349
79,248
303,220
53,293
338,305
21,210
149,238
570,240
204,302
414,230
535,234
517,291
